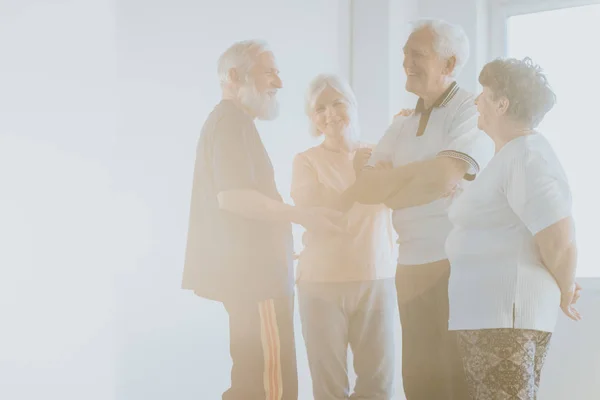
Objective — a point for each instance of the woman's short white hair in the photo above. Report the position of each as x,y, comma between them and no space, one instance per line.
241,56
335,82
450,40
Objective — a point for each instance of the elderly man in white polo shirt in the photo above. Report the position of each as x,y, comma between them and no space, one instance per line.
423,161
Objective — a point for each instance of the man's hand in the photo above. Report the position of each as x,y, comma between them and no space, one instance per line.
320,219
568,299
405,113
451,192
361,158
383,165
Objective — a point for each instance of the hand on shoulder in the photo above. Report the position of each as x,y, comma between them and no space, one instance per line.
406,112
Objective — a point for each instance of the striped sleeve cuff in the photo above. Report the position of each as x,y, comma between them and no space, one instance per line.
473,166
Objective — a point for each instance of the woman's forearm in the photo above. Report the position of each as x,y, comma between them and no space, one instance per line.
558,250
564,268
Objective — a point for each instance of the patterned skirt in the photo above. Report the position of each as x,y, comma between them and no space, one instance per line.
503,363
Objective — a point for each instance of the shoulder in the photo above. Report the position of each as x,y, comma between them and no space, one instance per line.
395,128
308,156
538,150
228,118
399,118
531,148
535,154
463,95
463,101
405,112
311,152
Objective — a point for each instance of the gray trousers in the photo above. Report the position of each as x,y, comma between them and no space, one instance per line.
358,314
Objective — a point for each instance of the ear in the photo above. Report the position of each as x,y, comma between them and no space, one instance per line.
450,65
502,105
234,76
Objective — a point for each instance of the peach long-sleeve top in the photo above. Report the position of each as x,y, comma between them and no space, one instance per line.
366,250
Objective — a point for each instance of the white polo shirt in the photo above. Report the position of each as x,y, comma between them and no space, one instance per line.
448,129
497,276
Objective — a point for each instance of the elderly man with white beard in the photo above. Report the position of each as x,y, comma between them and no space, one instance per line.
239,247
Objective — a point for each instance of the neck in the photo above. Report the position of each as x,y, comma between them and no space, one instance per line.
432,96
510,131
338,143
229,96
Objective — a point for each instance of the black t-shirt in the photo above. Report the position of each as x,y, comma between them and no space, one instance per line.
230,257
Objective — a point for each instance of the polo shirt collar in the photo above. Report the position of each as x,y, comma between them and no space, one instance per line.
442,101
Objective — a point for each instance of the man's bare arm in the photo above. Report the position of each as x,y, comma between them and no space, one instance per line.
436,179
375,185
317,196
255,205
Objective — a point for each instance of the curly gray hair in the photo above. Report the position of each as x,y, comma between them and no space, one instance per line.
523,83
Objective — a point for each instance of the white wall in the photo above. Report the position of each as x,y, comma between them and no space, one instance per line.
371,65
380,28
56,132
172,344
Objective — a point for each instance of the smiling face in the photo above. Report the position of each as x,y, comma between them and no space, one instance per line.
259,92
426,72
265,74
330,114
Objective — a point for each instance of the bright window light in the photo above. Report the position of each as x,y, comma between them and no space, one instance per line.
562,43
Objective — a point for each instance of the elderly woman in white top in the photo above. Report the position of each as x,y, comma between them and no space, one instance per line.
346,287
512,250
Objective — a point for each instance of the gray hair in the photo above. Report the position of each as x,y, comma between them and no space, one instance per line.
523,83
241,56
450,41
317,86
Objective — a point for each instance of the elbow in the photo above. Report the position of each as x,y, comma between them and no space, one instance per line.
564,251
557,245
221,200
559,256
305,198
224,201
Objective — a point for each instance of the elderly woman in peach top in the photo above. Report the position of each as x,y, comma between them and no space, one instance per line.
345,281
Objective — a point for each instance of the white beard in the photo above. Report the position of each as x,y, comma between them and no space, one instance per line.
262,105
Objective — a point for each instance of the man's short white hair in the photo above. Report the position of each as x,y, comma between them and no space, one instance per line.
317,86
450,40
240,56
